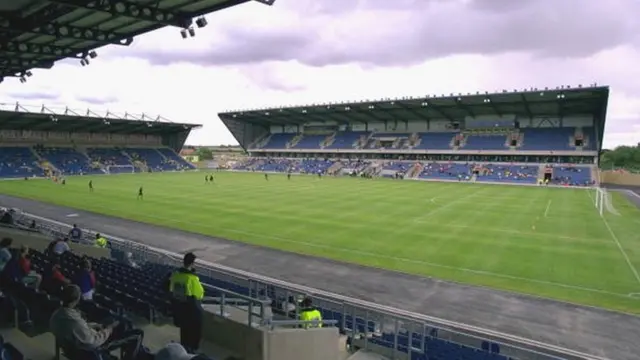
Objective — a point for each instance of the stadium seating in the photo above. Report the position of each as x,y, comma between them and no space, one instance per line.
171,156
346,140
152,158
18,162
68,160
109,156
522,174
574,176
547,139
485,142
435,141
278,141
310,142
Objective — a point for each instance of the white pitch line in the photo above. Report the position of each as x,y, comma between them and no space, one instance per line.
622,251
382,256
546,210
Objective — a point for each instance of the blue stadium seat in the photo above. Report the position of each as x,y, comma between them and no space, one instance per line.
18,162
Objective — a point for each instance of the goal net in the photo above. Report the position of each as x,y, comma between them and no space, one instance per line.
604,201
120,169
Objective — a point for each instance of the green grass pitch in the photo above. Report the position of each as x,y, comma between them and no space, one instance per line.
547,242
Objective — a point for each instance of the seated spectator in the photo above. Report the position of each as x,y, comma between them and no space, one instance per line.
6,217
75,233
60,246
175,351
29,277
77,337
86,280
54,279
5,253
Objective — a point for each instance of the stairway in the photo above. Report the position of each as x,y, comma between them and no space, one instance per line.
43,163
363,141
541,171
415,171
335,168
260,142
328,141
296,139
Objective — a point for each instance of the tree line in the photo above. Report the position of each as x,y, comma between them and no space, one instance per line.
625,157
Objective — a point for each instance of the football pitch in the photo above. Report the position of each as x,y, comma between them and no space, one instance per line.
548,242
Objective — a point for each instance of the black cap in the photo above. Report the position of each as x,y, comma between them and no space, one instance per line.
189,259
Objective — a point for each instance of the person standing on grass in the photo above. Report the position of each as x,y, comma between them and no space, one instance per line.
140,194
90,185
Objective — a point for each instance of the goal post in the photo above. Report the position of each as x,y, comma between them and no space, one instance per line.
604,201
120,169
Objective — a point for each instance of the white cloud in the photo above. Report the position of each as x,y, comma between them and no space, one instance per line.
192,93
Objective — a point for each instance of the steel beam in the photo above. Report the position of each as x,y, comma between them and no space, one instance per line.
131,10
412,111
17,26
36,49
7,62
526,105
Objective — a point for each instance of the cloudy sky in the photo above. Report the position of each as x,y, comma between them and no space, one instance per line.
306,51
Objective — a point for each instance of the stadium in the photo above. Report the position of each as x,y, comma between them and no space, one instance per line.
459,226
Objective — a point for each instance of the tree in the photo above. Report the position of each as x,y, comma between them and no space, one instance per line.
204,153
627,157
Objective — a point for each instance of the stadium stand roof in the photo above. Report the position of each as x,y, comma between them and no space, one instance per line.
535,102
37,33
42,118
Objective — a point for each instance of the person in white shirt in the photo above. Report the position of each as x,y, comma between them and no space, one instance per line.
61,246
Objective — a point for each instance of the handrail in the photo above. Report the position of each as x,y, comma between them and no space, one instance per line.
452,326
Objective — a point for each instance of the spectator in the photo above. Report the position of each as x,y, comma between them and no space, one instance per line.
5,253
174,351
75,233
6,217
29,277
61,246
100,242
310,313
85,279
76,336
187,294
54,279
33,225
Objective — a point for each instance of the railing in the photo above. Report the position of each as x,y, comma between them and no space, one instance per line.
360,319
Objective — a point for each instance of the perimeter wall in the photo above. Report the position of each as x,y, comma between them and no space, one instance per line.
618,178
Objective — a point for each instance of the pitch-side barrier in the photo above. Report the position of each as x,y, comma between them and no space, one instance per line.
363,320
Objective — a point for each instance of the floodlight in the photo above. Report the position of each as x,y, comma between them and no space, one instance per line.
192,32
28,73
92,54
23,80
201,22
183,32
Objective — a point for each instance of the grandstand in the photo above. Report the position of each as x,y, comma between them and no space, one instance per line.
521,137
40,141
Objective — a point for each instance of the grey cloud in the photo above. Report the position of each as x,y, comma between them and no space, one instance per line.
405,32
96,100
33,96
